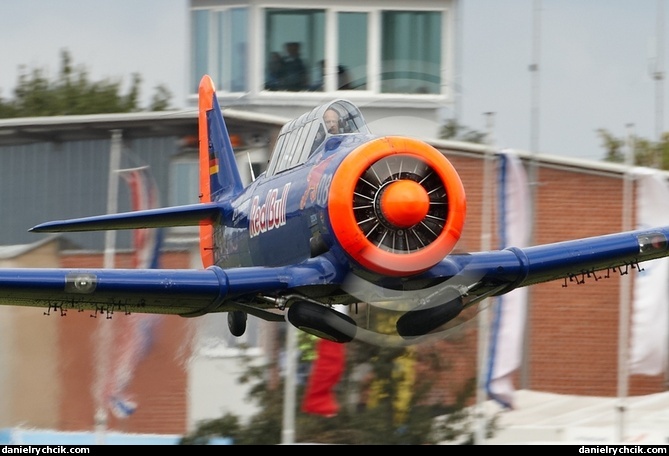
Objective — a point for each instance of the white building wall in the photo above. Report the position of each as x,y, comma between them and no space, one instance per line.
214,387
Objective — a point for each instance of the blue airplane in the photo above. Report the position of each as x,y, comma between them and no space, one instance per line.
340,217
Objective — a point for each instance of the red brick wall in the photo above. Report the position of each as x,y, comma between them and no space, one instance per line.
574,330
159,382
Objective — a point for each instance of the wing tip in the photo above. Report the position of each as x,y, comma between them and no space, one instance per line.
42,228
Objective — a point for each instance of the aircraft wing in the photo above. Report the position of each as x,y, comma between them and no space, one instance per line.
458,281
462,280
183,292
575,261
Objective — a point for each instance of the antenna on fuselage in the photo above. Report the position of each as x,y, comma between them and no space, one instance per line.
253,177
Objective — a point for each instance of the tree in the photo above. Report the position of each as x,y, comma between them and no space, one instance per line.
161,98
390,405
72,92
654,154
453,130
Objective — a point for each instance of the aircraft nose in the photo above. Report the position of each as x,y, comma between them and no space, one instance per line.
404,203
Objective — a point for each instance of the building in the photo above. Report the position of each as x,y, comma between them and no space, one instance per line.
396,60
57,168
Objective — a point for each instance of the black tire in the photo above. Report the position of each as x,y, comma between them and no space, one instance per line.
421,321
322,321
237,322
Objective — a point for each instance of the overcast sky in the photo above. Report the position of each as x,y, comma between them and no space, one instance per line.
596,60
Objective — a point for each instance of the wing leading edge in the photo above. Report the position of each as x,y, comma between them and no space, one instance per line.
182,292
574,261
470,278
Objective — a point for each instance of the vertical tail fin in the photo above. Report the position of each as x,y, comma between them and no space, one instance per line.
219,176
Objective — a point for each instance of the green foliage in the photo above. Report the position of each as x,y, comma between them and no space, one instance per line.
226,426
454,131
614,146
653,154
359,421
161,99
72,92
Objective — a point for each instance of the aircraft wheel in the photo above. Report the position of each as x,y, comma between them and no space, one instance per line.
237,322
322,321
421,321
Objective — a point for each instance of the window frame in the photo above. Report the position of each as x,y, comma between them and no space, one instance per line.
374,63
257,65
220,58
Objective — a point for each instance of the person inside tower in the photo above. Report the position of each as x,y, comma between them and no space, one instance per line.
274,80
294,71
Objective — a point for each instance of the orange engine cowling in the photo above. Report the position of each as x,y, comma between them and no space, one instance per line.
397,206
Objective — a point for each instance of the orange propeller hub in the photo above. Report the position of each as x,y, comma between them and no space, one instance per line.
405,203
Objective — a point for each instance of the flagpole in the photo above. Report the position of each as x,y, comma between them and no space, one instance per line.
658,75
625,287
532,175
104,330
483,316
112,194
290,385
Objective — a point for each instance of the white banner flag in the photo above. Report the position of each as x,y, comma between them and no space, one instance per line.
650,318
506,344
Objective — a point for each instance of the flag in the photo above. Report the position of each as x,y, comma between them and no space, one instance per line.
326,371
510,310
143,195
648,332
135,333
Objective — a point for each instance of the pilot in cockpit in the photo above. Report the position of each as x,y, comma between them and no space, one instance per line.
338,118
331,120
